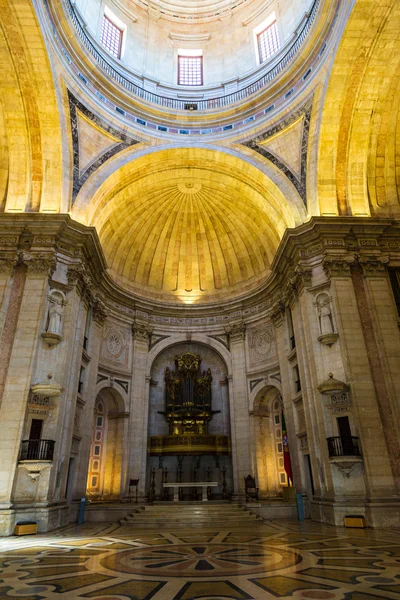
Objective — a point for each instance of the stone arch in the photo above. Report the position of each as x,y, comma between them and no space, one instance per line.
268,457
180,338
106,460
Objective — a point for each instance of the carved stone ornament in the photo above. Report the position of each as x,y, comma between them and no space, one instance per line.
7,263
373,266
277,313
345,463
34,468
100,312
338,266
141,332
302,278
78,277
38,263
236,331
47,388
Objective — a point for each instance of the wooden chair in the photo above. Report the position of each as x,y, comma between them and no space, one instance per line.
250,488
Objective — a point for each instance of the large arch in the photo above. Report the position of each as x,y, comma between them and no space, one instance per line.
30,122
359,131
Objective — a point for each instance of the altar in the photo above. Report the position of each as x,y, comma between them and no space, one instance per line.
204,485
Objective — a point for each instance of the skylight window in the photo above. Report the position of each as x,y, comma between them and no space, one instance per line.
267,38
111,35
190,67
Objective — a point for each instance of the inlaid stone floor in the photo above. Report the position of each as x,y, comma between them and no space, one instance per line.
257,561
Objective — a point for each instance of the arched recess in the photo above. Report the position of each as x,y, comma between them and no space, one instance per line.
268,447
357,154
106,463
210,463
31,115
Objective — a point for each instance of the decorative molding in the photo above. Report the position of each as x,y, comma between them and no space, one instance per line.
100,312
126,141
254,144
7,264
115,344
189,37
346,463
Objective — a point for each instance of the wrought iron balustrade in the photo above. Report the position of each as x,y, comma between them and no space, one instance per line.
174,103
346,446
37,450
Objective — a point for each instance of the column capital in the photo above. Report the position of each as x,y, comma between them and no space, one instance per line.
38,263
373,266
141,331
236,331
338,265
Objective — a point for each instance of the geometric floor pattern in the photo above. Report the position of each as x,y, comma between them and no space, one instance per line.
264,560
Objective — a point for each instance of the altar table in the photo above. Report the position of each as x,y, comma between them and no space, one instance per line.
204,485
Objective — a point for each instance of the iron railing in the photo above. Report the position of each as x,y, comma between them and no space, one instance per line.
343,446
206,104
37,450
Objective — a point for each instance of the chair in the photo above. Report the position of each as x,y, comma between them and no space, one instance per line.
250,488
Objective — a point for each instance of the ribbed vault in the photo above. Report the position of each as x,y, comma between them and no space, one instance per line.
187,225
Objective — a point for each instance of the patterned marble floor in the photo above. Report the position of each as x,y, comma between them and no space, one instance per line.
266,560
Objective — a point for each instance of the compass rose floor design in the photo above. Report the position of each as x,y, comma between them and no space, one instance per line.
263,560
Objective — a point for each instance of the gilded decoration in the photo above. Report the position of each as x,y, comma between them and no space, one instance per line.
188,410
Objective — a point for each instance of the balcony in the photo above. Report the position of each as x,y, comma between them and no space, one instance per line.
345,453
37,450
338,446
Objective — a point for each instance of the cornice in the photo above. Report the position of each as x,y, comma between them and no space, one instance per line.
325,242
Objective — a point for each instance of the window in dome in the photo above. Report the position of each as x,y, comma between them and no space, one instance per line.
267,38
111,36
190,67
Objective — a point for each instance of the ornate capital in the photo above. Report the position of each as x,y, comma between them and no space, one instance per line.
7,263
338,266
277,313
372,266
100,312
77,276
236,331
38,263
141,332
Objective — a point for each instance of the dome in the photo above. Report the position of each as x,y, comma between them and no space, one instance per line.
188,225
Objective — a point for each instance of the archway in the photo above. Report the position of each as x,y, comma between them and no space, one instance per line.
106,451
269,451
189,424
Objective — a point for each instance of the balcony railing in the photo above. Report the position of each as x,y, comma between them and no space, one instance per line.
37,450
174,103
338,446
